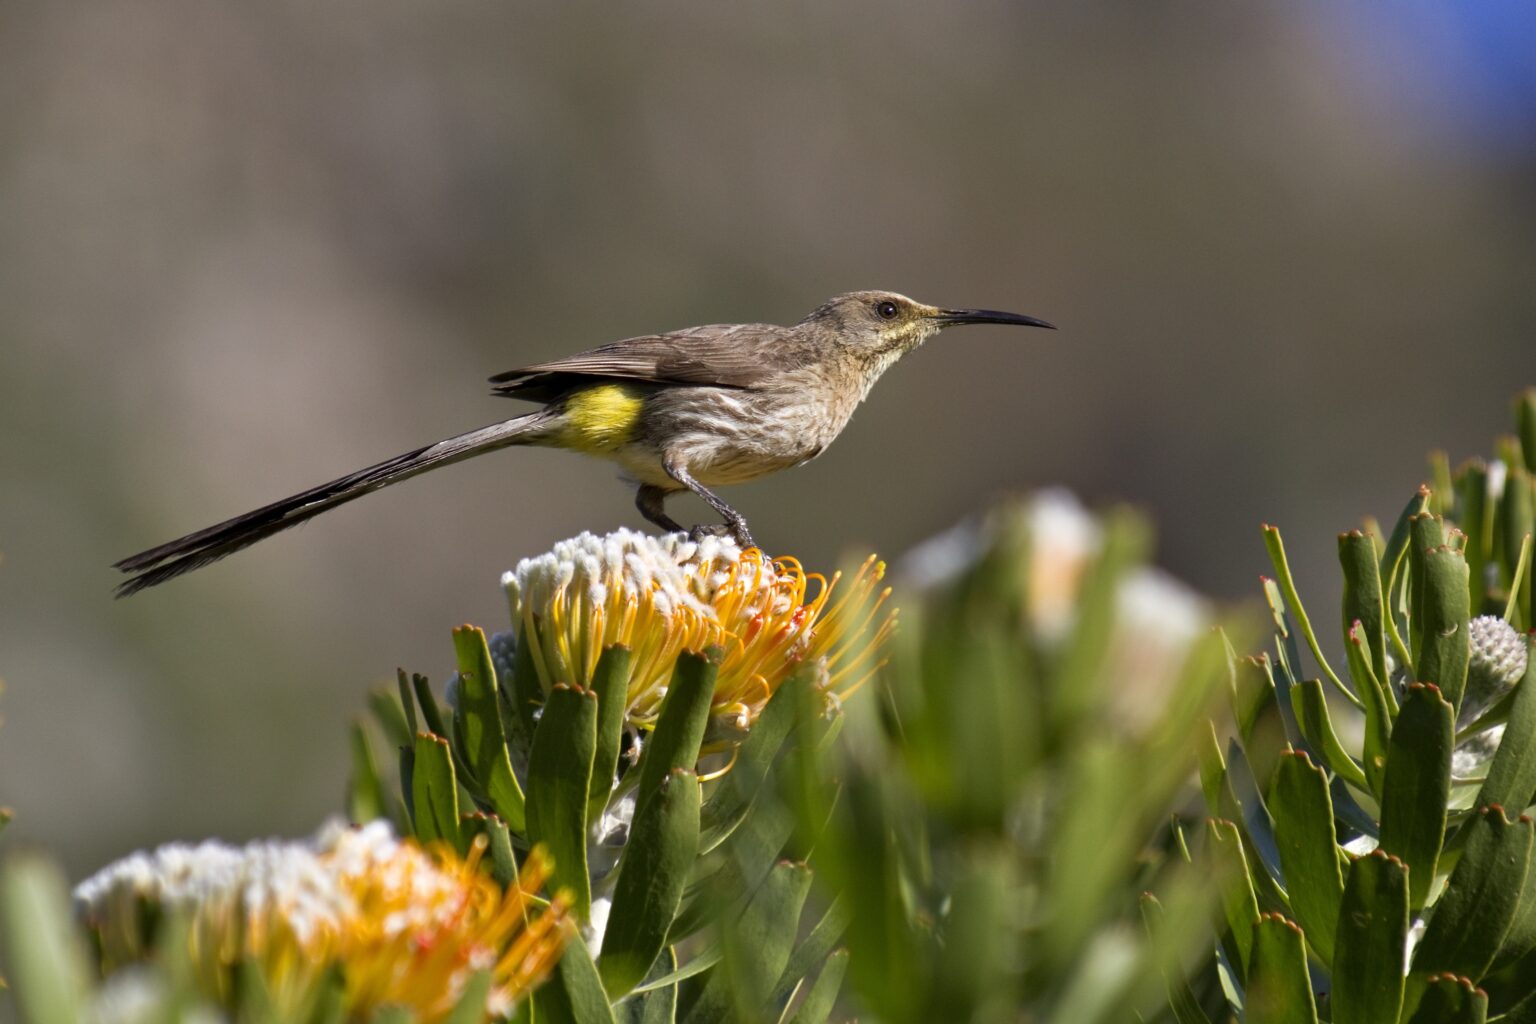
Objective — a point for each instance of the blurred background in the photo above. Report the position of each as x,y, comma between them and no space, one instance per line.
245,248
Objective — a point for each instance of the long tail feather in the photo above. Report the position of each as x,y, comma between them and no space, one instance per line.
195,550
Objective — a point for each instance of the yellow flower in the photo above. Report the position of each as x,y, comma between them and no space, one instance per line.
660,596
402,925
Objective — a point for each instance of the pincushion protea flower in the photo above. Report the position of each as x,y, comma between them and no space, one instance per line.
661,596
403,925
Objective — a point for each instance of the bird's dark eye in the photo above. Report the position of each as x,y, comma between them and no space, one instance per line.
887,310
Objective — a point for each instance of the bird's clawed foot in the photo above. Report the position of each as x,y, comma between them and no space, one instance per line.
736,531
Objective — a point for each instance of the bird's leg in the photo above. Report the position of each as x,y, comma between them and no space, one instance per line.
651,501
734,521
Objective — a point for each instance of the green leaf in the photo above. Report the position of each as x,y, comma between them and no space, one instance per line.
431,714
1279,988
1293,604
610,681
1311,706
366,799
1303,815
1451,1000
729,803
1426,532
679,732
756,948
1474,912
812,951
661,849
1213,769
1417,785
435,793
559,779
471,1005
659,1004
479,720
1363,601
498,844
1518,515
1380,709
45,963
525,691
1394,563
1369,943
1238,903
1511,778
736,868
398,729
817,1005
408,706
1181,997
574,992
1525,426
1474,515
1442,654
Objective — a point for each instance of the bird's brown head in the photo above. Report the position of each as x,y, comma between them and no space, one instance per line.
881,327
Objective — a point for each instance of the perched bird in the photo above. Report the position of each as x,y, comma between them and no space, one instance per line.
686,410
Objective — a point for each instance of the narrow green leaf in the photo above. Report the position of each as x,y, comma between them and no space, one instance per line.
1448,999
1293,604
1474,514
1520,587
1397,544
1473,914
1213,768
1363,602
1426,532
431,714
559,779
366,799
1238,903
524,690
499,845
1311,706
470,1008
1181,998
1442,499
1518,516
1303,815
1279,988
1511,778
479,721
573,994
812,950
1525,426
661,849
729,804
408,706
697,964
398,729
45,964
1380,709
1417,785
756,947
743,861
817,1005
1369,943
659,1004
610,681
1442,654
679,731
435,793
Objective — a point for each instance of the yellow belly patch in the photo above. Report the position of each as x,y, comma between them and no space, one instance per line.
600,420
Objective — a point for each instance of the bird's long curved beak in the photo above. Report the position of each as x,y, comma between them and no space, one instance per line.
950,317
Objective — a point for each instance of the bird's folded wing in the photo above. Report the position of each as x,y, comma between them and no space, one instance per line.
718,355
